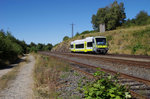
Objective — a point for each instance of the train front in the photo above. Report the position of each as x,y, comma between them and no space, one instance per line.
100,45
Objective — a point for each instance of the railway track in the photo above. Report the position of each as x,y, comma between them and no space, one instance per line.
124,81
132,67
140,58
139,87
136,61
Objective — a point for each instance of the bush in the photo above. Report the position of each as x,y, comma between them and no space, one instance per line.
10,47
136,47
65,38
141,41
109,37
105,88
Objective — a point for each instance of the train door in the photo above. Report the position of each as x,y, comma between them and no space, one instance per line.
94,45
85,46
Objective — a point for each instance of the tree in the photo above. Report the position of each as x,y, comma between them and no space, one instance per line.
48,47
32,44
77,34
40,46
112,16
142,18
65,38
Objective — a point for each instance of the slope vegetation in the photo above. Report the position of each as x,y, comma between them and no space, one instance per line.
134,40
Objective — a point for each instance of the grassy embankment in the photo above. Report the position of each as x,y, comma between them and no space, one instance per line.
46,74
11,75
134,40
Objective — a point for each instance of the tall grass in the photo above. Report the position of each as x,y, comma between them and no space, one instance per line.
46,75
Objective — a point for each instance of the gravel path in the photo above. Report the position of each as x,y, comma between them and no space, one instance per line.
21,87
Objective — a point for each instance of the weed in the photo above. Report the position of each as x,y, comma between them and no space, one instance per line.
136,47
76,73
65,75
105,88
109,37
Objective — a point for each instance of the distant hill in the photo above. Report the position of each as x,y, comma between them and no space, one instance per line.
133,40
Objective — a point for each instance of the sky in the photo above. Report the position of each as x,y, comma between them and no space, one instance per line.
48,21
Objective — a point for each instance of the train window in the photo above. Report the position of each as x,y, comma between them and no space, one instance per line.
71,46
89,44
80,46
101,41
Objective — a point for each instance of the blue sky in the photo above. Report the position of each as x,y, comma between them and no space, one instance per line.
48,21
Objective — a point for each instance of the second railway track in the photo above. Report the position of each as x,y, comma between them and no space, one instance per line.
133,60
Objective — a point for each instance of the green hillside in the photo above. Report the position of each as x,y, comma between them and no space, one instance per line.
134,40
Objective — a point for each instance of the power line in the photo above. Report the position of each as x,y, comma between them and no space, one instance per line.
72,29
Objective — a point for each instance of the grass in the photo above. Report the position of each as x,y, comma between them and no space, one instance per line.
46,74
134,40
11,75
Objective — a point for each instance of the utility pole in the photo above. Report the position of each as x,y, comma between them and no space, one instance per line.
72,29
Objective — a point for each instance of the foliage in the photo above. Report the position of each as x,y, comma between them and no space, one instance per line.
65,38
87,32
112,16
136,47
109,37
105,88
141,41
142,18
77,34
10,47
39,47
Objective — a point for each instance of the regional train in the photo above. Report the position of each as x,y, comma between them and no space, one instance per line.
96,44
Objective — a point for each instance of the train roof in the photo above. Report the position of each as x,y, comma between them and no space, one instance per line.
87,39
99,37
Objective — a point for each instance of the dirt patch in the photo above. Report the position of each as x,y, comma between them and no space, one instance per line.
21,87
5,70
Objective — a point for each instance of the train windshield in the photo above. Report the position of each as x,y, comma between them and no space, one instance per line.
100,41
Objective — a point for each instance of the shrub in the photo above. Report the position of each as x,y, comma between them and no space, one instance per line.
65,38
136,47
105,88
10,47
109,37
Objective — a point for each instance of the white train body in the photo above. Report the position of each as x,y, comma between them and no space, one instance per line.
96,44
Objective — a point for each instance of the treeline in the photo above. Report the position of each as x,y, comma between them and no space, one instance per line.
142,18
11,48
40,47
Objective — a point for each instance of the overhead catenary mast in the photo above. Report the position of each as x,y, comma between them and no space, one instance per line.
72,29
